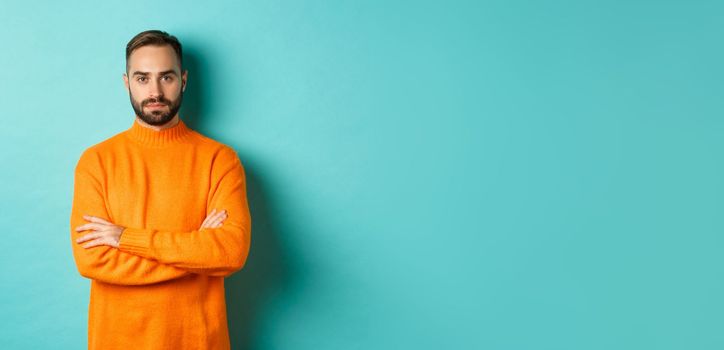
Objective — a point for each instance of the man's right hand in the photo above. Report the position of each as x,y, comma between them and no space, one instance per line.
215,219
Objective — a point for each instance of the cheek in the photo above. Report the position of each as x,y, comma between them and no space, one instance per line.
137,97
173,92
137,91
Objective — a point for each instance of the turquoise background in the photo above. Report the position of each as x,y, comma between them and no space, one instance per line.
422,175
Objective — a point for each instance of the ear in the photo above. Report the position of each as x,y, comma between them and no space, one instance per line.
184,78
125,80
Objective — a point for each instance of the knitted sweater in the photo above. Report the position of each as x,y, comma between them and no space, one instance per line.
163,288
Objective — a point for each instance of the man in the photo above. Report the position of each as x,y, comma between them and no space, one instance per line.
159,217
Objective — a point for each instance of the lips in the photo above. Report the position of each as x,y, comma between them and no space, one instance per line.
155,105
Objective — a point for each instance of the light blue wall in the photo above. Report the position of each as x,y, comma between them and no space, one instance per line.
422,175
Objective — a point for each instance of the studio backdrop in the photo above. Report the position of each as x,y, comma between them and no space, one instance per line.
421,174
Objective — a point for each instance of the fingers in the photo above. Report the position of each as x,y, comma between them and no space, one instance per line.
91,226
217,219
96,219
88,237
97,242
96,223
216,222
208,218
211,217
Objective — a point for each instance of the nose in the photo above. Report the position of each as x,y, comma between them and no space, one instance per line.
155,90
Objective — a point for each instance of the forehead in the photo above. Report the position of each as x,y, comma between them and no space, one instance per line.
153,58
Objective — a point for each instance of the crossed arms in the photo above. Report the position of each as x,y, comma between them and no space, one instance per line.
133,256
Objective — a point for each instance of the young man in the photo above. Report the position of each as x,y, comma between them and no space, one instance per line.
159,217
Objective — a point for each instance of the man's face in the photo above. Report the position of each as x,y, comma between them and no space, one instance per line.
155,84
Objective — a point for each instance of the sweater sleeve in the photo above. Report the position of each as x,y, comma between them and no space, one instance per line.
213,251
105,263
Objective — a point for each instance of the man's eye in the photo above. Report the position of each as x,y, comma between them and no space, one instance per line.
141,78
167,77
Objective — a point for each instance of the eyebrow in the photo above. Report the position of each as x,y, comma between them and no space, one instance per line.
170,71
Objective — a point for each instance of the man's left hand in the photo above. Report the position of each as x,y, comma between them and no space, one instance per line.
104,232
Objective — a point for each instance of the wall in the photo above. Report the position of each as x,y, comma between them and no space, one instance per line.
459,174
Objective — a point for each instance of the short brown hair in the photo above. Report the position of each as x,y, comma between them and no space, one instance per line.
157,38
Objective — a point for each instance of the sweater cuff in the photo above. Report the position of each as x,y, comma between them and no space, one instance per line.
135,241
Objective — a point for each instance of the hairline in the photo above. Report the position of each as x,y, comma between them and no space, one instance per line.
178,58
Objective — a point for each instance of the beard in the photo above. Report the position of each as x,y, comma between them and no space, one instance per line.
157,117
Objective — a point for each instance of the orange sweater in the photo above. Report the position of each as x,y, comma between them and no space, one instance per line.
163,288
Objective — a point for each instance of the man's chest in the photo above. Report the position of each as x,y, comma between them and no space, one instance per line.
165,192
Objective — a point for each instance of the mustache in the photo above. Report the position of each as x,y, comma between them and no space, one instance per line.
156,100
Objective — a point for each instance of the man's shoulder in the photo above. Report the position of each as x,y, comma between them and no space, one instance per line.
213,146
99,149
204,144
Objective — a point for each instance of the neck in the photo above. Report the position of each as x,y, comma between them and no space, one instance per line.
171,123
162,136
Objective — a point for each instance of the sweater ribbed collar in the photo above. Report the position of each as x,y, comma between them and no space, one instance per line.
165,137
